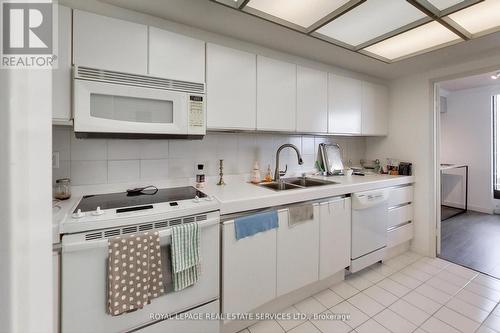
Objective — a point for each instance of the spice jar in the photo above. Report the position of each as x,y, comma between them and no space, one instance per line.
62,189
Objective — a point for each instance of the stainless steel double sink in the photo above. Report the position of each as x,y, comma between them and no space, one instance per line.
295,183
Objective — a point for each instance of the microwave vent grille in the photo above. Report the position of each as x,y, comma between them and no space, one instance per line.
146,81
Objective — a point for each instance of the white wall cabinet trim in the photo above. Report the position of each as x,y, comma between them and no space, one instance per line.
108,43
231,88
175,56
276,95
61,76
312,100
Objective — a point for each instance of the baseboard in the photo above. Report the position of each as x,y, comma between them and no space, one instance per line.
486,210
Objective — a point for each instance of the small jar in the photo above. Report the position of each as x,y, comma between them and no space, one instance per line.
62,189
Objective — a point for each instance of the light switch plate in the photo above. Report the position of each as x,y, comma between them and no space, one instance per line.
55,160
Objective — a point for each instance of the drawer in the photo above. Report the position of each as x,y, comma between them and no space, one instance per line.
400,215
400,195
400,235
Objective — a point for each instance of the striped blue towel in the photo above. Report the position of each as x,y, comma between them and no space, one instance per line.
252,224
185,255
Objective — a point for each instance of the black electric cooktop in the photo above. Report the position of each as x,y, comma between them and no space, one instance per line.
146,197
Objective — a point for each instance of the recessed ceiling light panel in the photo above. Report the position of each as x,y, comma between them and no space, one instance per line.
479,18
444,4
300,12
424,38
370,20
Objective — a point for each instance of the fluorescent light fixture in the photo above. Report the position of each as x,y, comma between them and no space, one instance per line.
479,18
300,12
371,19
495,76
424,38
231,3
444,4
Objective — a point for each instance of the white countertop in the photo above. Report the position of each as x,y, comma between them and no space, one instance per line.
239,195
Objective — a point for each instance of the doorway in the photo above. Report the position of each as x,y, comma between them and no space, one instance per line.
469,175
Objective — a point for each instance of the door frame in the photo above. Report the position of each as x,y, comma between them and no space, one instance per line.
436,151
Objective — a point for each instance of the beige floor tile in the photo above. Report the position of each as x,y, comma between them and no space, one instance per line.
289,324
462,271
456,320
439,284
344,290
416,273
487,281
357,317
493,322
306,327
434,325
394,322
371,326
422,302
476,300
410,312
266,326
467,310
328,298
405,280
310,306
331,326
381,295
433,293
393,287
484,291
366,304
358,282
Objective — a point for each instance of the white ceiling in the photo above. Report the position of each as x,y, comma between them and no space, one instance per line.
212,17
476,81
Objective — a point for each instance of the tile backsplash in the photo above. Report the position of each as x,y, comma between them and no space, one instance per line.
101,161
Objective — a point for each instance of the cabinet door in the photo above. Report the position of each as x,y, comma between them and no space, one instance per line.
335,236
298,252
312,100
375,105
176,57
248,269
231,88
276,95
344,105
107,43
61,76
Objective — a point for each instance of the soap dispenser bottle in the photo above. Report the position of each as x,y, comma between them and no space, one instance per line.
255,176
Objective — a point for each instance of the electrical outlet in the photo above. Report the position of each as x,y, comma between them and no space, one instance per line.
55,160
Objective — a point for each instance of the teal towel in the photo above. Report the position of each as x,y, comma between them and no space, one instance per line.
250,225
185,255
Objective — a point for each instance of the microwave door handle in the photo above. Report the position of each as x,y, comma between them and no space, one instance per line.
103,243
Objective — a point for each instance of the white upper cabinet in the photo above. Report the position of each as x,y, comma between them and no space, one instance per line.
375,105
175,56
61,76
276,95
107,43
344,105
312,100
231,88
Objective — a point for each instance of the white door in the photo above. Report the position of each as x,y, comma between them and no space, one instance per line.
334,236
107,43
61,76
375,109
248,269
298,252
276,95
344,105
312,100
231,88
175,56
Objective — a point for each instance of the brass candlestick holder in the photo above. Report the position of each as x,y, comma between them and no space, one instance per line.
221,173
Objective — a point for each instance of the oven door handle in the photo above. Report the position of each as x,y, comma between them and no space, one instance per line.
72,246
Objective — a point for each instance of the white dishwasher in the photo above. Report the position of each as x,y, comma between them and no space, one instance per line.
368,228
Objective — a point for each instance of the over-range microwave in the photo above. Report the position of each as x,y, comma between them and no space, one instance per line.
120,105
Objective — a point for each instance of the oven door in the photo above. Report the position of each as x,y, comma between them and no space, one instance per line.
84,277
122,109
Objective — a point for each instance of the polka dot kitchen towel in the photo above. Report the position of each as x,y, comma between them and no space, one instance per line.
134,272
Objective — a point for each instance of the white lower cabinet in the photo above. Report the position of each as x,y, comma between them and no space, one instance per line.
400,215
298,255
248,269
334,236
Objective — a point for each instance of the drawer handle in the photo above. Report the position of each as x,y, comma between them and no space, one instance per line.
398,226
399,206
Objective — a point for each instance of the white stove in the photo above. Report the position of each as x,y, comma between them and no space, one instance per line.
122,209
85,237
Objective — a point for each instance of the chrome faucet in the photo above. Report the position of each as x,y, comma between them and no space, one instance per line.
277,172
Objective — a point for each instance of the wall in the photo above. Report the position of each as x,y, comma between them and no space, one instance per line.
25,201
96,161
466,138
411,137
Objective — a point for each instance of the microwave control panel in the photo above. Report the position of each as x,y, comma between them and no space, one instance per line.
196,114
